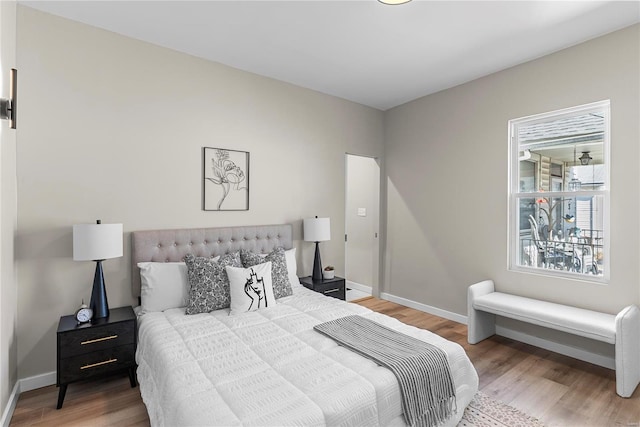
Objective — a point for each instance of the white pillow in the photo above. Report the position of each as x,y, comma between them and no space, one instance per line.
164,285
292,266
251,288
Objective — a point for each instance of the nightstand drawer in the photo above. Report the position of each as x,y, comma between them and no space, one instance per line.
330,289
96,363
96,338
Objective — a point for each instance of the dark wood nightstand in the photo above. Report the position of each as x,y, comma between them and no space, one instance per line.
96,349
330,287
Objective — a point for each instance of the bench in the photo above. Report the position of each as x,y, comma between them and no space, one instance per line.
621,330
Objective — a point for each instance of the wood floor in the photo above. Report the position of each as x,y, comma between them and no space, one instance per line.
558,390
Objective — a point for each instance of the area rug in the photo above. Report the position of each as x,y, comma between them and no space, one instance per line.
484,411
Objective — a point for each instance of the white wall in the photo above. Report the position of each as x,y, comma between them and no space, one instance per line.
113,128
446,162
8,286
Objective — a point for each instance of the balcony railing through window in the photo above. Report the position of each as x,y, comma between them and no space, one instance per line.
582,255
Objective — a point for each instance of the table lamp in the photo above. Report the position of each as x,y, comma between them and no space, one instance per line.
317,230
97,242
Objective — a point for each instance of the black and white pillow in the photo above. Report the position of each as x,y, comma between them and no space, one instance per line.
251,288
279,272
208,282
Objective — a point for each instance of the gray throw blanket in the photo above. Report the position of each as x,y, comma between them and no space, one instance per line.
422,369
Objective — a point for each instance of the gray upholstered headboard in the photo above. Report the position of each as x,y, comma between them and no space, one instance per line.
173,245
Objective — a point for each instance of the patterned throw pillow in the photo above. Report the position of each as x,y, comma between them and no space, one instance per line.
251,288
279,272
208,282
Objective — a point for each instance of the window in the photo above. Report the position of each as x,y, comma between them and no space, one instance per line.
559,192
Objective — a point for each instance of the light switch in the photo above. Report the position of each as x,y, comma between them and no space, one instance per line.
362,211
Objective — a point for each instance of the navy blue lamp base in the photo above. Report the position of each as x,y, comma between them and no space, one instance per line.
317,265
99,303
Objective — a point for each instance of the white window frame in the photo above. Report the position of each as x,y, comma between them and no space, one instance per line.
513,235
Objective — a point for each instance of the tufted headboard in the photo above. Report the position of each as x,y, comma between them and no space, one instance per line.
173,245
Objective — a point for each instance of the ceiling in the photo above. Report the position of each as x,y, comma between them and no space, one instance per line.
364,51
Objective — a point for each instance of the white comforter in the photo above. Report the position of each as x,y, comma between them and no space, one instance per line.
271,368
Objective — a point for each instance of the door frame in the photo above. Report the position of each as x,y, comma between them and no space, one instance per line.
376,249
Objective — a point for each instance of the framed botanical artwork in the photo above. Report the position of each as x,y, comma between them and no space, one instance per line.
226,179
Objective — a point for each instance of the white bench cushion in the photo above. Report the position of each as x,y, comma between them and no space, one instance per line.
577,321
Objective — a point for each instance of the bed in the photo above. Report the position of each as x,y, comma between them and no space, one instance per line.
266,367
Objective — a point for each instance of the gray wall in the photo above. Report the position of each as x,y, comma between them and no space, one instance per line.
113,128
8,285
446,162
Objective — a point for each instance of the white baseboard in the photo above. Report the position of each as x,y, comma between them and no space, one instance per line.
22,385
37,381
358,287
426,308
576,353
11,405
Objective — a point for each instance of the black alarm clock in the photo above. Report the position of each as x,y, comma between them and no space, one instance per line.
84,314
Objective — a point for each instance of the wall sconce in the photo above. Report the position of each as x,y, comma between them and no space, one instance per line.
585,158
8,106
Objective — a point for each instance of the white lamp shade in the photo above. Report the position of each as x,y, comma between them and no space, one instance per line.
317,229
92,242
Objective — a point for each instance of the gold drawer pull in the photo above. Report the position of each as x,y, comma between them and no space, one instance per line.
93,365
331,290
99,339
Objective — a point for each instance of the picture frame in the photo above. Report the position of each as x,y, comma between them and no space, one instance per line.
225,185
